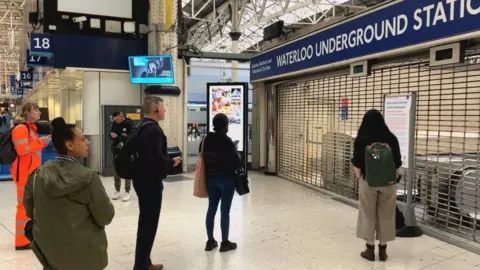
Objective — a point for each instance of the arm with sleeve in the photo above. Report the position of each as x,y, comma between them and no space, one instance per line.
23,146
233,155
397,155
28,196
155,145
111,131
100,206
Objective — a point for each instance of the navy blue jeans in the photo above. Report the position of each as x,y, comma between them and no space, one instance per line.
220,188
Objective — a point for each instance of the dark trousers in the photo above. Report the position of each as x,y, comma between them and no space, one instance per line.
220,188
149,193
399,219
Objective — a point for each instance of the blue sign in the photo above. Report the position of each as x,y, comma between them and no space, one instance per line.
26,76
38,61
343,113
20,92
41,44
13,84
406,23
22,84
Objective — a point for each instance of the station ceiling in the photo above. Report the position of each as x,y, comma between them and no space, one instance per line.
11,27
208,22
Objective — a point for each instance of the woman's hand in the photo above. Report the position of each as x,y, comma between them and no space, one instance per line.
45,140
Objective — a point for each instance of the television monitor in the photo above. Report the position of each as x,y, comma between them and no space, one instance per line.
151,69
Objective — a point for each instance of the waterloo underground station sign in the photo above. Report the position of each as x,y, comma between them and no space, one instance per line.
399,24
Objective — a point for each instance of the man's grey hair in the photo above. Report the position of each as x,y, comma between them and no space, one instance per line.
148,103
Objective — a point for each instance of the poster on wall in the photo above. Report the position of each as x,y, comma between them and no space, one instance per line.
230,99
399,113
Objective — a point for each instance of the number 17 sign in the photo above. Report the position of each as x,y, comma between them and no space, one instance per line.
41,44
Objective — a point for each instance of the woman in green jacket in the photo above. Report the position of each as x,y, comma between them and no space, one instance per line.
70,206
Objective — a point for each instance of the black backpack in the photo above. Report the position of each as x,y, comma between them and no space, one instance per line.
8,154
128,157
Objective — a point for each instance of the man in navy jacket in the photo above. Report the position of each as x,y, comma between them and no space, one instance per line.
155,166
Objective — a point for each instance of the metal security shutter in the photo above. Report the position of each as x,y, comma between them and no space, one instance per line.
314,145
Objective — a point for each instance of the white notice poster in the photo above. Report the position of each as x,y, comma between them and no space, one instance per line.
398,110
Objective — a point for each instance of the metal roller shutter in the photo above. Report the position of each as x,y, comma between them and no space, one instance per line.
314,144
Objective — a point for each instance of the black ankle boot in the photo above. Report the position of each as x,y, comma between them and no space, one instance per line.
227,246
382,253
369,253
211,245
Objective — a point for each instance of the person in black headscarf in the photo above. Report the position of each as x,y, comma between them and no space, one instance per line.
221,161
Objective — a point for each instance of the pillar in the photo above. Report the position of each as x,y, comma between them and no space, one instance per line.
51,106
235,36
163,41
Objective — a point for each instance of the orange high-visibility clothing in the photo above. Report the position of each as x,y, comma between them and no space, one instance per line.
28,147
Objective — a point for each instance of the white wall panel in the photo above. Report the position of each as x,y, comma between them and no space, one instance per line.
116,89
91,102
110,8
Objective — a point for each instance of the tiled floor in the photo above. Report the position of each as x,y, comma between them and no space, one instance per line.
280,225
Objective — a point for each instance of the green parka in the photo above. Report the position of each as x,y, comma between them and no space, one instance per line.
71,212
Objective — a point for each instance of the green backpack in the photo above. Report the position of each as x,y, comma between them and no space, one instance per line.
380,167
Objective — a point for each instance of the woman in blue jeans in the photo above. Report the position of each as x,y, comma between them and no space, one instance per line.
221,160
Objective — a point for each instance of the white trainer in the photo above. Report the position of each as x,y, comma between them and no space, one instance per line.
117,195
126,197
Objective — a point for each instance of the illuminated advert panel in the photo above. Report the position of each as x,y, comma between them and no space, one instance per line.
231,100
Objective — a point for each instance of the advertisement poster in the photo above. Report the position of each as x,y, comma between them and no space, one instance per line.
229,100
397,115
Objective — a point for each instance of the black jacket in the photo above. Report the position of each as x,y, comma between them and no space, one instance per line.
155,162
123,130
220,155
360,144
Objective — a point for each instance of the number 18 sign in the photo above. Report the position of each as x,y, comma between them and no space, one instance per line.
41,44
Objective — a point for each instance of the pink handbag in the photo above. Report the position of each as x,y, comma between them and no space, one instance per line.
199,182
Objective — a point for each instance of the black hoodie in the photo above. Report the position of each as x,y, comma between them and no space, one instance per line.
220,155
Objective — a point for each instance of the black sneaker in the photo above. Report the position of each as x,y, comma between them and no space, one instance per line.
26,247
211,245
227,246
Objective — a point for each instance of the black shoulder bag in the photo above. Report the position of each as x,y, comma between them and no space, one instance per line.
241,182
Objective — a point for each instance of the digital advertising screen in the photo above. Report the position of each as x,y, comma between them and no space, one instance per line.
230,100
151,69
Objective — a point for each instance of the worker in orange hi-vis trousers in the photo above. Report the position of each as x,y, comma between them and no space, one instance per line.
28,146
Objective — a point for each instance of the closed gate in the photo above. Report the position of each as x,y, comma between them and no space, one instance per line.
315,138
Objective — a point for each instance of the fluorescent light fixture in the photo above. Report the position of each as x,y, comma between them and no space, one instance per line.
129,27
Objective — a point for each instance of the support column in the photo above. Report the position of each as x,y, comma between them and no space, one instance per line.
235,36
163,41
51,106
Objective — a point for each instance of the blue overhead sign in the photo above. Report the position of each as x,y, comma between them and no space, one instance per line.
13,84
402,24
38,61
26,76
41,44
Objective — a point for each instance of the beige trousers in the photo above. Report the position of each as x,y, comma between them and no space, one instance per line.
376,213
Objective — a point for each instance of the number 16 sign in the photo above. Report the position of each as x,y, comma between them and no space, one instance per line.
41,44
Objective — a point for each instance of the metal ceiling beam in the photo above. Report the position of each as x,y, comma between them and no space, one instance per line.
211,17
242,57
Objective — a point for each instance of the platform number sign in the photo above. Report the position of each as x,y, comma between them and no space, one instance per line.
39,61
41,44
26,76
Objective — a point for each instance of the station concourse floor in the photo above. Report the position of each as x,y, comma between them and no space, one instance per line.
280,225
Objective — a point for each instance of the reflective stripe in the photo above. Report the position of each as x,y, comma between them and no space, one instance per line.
27,149
22,222
37,153
20,200
20,231
20,141
20,188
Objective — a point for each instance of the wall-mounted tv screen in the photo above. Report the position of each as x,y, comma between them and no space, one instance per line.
151,69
